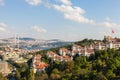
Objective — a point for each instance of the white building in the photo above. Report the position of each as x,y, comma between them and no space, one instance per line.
64,52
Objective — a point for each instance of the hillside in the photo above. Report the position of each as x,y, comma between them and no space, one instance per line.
102,65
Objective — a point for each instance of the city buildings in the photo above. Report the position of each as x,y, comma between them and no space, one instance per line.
67,55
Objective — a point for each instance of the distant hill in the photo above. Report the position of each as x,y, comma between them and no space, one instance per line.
32,43
27,39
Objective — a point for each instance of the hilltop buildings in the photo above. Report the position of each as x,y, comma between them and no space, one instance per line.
109,43
66,55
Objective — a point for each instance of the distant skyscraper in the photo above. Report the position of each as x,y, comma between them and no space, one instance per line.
17,41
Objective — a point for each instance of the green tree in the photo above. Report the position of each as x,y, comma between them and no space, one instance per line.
83,73
30,75
55,74
99,76
17,75
2,77
110,75
37,75
67,76
76,70
69,66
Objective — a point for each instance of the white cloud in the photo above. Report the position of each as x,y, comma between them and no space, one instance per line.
1,2
108,19
66,2
76,14
2,26
69,9
73,13
47,3
109,24
39,29
34,2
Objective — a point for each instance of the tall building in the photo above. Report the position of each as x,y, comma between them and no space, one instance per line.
16,41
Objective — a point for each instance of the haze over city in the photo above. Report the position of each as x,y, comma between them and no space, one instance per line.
59,19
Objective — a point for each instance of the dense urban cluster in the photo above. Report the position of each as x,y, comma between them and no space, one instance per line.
84,60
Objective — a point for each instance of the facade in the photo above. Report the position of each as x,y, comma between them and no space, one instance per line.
100,46
82,51
64,52
51,54
60,58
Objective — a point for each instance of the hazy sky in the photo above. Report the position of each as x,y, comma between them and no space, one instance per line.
59,19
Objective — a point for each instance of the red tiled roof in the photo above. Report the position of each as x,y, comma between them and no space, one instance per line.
64,50
116,42
90,50
50,53
100,43
75,51
57,57
66,57
40,65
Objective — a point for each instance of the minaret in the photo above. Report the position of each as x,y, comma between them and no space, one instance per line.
18,42
15,40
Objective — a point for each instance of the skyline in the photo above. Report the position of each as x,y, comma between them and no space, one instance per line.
59,19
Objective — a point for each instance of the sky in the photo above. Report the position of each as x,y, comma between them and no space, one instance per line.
70,20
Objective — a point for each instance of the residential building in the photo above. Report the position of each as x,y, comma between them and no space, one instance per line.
64,52
38,65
